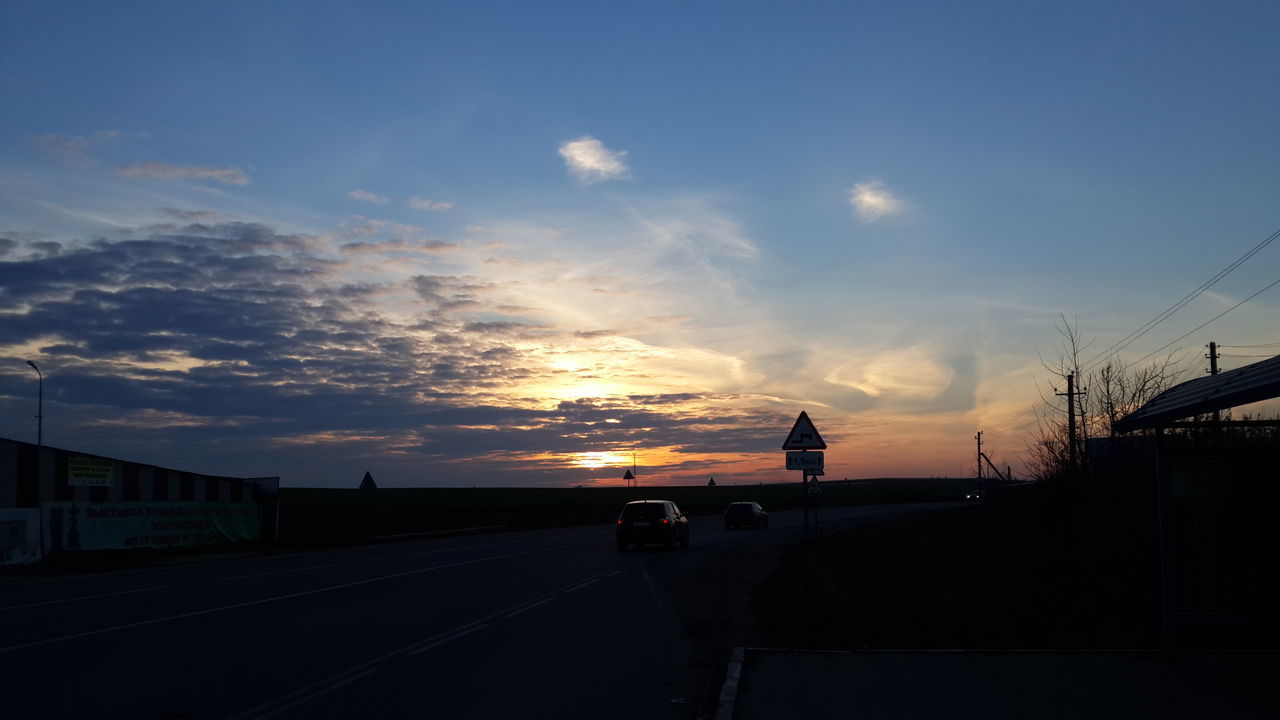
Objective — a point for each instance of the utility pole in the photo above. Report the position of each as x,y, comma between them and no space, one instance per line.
978,437
1071,419
1213,370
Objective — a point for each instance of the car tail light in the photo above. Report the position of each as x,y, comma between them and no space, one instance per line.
666,521
619,521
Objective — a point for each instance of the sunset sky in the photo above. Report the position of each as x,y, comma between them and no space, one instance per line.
515,243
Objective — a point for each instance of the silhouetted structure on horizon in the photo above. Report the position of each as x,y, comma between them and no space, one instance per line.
367,483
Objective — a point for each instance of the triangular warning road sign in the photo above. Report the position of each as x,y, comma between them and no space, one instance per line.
814,487
804,436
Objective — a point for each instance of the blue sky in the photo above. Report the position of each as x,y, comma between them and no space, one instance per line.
505,243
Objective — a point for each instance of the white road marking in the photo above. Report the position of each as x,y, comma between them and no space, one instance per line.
365,560
580,585
302,695
414,648
527,608
346,562
83,597
446,639
288,596
653,588
253,559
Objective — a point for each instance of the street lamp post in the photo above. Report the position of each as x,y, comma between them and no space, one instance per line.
39,406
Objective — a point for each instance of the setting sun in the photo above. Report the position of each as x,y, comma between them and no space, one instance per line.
597,460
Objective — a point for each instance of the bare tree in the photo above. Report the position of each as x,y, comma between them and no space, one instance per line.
1105,393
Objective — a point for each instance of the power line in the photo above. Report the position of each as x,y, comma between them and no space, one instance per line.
1022,412
1259,345
1169,311
1201,325
1161,317
1042,400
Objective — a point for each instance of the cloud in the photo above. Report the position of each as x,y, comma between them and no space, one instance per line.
366,196
911,373
228,176
590,161
264,350
872,200
362,225
418,203
393,246
73,151
193,216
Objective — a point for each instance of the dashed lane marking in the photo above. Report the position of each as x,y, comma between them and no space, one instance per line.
527,608
303,695
446,639
287,596
82,597
358,561
366,668
579,586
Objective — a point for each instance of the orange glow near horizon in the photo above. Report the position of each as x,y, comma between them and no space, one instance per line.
597,460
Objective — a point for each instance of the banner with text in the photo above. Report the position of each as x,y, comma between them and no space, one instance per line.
110,526
90,471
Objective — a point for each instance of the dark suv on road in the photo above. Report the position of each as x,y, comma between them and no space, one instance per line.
652,521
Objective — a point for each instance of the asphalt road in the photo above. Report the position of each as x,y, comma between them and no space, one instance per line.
553,623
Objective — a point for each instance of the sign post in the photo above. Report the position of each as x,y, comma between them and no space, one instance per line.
803,438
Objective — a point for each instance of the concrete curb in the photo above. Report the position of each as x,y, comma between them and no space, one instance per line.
729,691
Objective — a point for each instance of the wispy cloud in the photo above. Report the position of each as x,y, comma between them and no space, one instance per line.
193,216
366,196
912,373
72,151
590,161
872,200
361,225
393,246
419,203
230,175
76,150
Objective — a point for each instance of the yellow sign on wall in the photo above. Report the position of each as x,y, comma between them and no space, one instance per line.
93,472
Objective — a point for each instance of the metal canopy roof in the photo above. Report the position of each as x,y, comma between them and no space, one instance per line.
1249,384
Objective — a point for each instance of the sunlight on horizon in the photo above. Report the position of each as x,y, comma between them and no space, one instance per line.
596,460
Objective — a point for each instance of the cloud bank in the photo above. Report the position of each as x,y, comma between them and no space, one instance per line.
233,347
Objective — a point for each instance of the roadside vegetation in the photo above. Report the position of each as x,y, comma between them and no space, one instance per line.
1018,571
1072,561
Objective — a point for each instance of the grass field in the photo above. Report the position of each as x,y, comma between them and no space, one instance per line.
315,513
